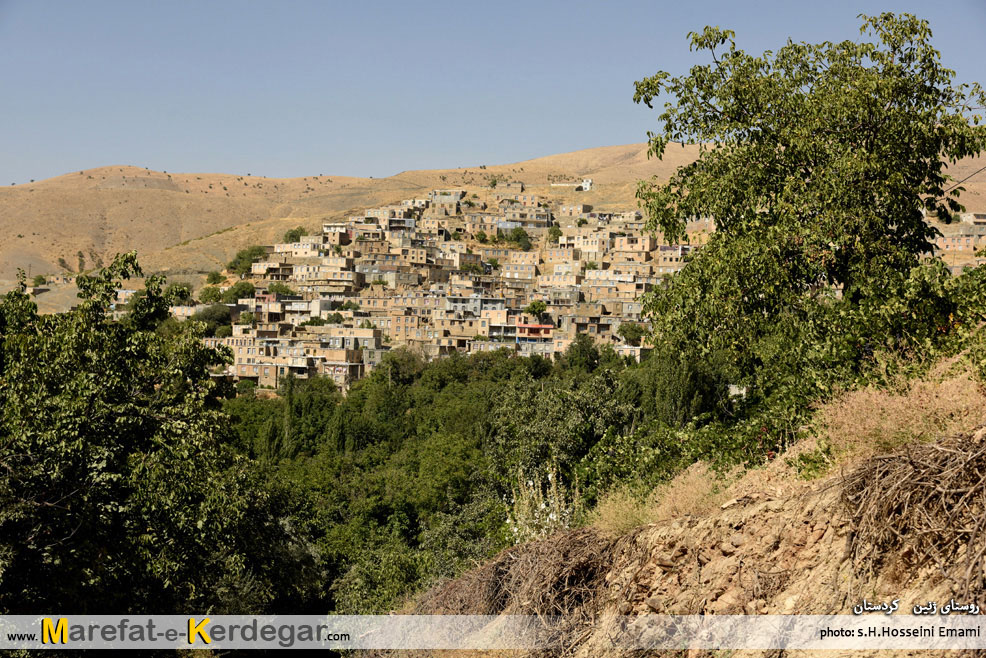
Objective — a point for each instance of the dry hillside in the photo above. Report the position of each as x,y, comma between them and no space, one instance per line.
192,223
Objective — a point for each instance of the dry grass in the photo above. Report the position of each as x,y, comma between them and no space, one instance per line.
868,421
197,221
695,491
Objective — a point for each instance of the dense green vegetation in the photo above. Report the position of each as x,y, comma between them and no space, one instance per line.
413,469
243,261
210,295
238,291
278,288
131,479
294,234
826,158
119,485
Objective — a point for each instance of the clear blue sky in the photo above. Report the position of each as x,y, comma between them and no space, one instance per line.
284,88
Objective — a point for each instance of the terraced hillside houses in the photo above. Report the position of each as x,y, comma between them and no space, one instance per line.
447,274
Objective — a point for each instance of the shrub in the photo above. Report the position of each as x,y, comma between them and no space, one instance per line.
210,295
541,505
238,291
278,288
295,234
244,259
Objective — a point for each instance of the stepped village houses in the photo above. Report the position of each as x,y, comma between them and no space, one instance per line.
446,273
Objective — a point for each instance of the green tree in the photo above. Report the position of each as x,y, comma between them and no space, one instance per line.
39,280
179,293
840,200
481,237
278,288
554,233
117,490
213,277
245,318
214,317
237,291
210,295
170,327
295,234
582,354
243,261
817,164
537,308
135,302
333,318
520,237
631,332
494,263
349,305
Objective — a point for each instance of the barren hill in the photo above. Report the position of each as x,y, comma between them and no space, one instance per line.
195,222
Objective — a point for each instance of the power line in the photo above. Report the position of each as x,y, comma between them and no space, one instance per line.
965,179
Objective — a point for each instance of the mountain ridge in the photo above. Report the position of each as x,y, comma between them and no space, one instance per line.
46,225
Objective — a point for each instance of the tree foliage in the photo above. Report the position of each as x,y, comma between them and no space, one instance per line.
295,234
210,295
238,291
213,317
179,293
243,261
631,332
817,164
520,238
537,308
116,489
830,150
278,288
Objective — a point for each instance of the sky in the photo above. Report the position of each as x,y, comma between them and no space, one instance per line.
290,88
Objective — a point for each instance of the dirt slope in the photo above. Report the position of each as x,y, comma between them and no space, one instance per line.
779,545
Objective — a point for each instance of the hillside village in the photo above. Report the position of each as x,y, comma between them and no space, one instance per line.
468,269
448,272
451,272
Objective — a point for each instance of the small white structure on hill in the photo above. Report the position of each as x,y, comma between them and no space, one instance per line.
584,186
